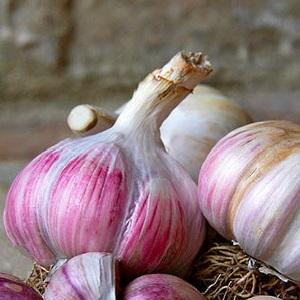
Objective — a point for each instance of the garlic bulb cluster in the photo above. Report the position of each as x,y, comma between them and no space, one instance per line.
89,276
12,288
116,191
190,131
161,287
249,191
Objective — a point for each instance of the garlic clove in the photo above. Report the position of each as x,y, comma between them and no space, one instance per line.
249,191
84,194
89,276
12,288
161,287
84,117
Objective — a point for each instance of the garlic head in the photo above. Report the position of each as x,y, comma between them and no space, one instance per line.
249,189
116,191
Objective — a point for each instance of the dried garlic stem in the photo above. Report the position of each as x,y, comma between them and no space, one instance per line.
84,117
161,91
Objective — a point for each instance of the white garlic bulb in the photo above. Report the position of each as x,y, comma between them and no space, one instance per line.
195,126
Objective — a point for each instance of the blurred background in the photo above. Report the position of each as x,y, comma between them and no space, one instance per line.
55,54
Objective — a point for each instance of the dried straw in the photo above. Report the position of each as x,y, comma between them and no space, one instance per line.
222,272
37,278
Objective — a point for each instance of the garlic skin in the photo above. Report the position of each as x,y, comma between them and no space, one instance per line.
116,191
249,189
189,132
12,288
89,276
161,287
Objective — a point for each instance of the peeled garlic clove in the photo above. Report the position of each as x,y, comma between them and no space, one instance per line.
116,191
89,276
161,287
12,288
249,192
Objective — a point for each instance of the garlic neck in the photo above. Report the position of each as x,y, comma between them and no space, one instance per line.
160,92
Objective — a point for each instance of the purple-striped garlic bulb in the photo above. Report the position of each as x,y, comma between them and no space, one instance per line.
12,288
116,191
189,132
161,287
249,191
88,276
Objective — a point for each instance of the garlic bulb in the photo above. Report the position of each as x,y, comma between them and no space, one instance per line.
190,131
196,125
249,192
161,287
89,276
12,288
115,191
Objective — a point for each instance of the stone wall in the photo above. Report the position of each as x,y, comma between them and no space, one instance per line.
55,48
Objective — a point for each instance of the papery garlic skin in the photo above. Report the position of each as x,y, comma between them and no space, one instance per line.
161,287
12,288
117,191
195,126
89,276
249,191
